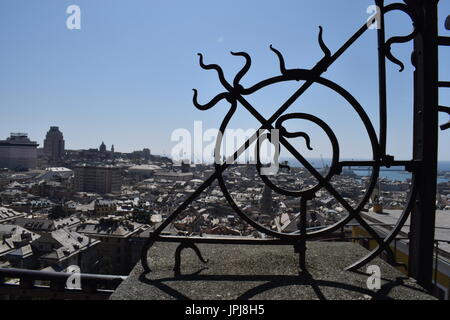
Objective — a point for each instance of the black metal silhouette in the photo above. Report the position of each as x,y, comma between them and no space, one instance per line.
235,94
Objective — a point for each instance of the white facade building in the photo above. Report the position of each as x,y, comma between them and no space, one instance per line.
17,152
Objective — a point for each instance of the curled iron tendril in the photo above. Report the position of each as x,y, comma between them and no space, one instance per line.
220,96
445,126
244,70
387,48
304,135
281,59
399,39
214,67
298,72
322,44
224,95
212,103
288,134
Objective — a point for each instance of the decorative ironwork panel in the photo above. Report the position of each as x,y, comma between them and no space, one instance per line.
237,95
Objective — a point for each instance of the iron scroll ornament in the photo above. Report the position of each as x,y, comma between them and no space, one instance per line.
235,94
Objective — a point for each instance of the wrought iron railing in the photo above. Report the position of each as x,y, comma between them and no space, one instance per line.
423,163
53,285
18,283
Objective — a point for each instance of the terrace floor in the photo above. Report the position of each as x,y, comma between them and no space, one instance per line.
264,273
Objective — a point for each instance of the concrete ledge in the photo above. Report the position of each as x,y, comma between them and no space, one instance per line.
263,273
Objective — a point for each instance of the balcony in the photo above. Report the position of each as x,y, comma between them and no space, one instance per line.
244,271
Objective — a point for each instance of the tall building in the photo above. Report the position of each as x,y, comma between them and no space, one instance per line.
266,201
102,147
98,179
17,152
146,153
54,143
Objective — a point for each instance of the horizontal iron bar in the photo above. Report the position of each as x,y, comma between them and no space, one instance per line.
49,288
49,275
444,109
252,241
395,163
362,238
444,41
444,84
371,238
390,225
372,163
357,163
49,293
226,240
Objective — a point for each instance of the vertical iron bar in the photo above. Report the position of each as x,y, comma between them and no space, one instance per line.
425,142
436,262
382,78
302,228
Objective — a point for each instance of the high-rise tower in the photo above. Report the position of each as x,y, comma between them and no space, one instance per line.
54,143
266,201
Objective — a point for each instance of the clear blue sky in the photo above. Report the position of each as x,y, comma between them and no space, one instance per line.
126,77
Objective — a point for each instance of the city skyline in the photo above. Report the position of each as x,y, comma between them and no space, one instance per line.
127,75
297,150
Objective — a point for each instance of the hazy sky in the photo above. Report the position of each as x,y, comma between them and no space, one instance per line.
126,77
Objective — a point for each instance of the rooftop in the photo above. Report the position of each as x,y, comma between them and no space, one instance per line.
45,224
66,243
145,167
390,217
9,214
12,237
108,227
17,139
